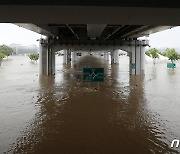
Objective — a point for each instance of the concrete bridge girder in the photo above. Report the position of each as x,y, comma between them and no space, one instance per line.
47,55
89,14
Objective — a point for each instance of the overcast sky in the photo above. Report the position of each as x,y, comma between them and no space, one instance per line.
10,33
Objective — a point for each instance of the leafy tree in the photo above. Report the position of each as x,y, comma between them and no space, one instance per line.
154,54
148,53
6,50
128,54
163,53
34,56
1,57
172,54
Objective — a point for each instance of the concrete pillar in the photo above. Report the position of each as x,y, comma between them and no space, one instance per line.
68,56
137,60
133,60
116,57
65,57
73,56
106,56
142,51
51,61
112,57
43,59
109,55
46,60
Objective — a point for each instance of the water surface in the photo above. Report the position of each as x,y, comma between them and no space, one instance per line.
58,114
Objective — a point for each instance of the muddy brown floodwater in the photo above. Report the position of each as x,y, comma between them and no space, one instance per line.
59,115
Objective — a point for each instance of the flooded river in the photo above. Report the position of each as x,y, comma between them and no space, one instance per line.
124,114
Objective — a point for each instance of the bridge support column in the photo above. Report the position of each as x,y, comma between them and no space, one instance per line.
46,60
43,60
67,57
112,57
73,56
116,57
142,57
51,61
106,56
137,60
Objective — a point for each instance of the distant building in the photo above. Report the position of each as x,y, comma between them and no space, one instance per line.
22,49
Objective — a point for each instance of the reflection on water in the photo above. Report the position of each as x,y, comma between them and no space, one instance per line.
126,114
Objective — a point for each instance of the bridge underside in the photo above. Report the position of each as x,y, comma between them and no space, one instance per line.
127,3
98,25
82,20
101,32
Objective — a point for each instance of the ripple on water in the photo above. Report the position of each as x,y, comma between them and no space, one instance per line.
65,115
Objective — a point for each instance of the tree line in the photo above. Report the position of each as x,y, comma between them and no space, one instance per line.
169,52
5,51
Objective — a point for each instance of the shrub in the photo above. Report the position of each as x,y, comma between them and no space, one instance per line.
2,55
34,56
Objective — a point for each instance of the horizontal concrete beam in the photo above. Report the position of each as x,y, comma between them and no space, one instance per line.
56,14
96,45
34,28
127,3
95,31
